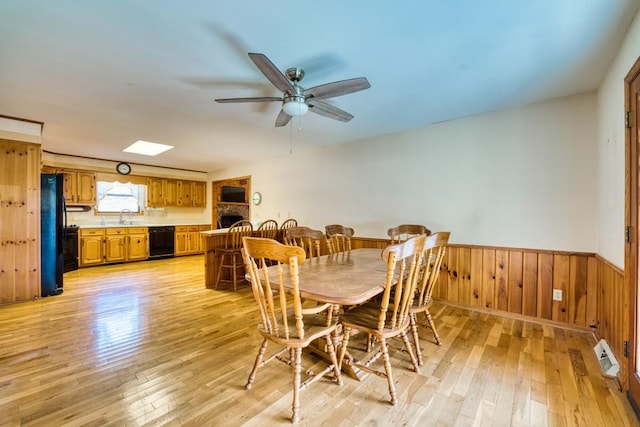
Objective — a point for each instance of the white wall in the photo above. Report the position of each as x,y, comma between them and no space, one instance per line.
519,178
611,150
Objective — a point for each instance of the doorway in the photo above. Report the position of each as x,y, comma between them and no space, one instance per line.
632,197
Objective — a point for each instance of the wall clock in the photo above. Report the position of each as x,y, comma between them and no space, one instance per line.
256,198
123,168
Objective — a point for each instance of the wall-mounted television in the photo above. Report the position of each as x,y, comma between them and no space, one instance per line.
233,194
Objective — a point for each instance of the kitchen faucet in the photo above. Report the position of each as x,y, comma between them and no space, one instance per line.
122,220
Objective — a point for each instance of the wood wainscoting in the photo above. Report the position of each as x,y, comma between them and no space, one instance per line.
520,282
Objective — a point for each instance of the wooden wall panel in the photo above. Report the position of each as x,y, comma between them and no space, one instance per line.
577,298
464,275
561,282
515,282
488,277
502,277
529,284
20,221
545,286
453,285
475,278
591,312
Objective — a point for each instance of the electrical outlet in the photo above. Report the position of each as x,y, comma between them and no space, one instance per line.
557,294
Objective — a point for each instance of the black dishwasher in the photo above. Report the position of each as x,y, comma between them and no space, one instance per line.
161,241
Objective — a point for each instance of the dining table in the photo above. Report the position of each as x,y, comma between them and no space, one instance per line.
342,279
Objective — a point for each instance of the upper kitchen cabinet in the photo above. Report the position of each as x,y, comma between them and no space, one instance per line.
79,187
163,192
199,194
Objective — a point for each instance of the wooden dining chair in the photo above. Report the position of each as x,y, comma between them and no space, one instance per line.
338,238
283,321
389,316
289,223
229,256
434,250
307,238
268,229
405,231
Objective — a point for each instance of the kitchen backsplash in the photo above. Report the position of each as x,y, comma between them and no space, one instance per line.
152,216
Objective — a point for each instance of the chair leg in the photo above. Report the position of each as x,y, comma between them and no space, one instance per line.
343,347
297,368
387,369
432,325
416,337
235,282
219,272
334,359
409,347
257,364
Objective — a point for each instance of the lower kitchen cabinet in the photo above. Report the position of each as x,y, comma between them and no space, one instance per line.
189,240
117,244
138,243
115,249
91,246
182,235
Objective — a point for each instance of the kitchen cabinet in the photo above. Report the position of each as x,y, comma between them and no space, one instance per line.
109,245
189,241
199,194
193,244
79,187
91,246
137,243
170,192
185,197
115,249
154,192
181,247
163,192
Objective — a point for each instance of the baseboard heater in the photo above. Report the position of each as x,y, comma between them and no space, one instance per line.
608,361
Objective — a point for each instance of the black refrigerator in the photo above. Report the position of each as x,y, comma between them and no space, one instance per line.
52,228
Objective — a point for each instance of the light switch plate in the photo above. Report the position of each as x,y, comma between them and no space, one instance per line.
557,294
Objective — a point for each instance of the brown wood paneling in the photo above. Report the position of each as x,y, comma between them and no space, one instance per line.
561,282
591,311
20,221
502,279
529,283
475,278
577,298
515,282
545,286
453,286
489,278
464,275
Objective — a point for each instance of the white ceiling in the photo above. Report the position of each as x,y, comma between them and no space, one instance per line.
102,74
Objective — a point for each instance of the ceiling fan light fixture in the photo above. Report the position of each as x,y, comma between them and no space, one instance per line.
295,107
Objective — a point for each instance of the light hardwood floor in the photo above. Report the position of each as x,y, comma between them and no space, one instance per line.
146,344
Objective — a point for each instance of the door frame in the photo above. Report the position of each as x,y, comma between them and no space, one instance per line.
632,166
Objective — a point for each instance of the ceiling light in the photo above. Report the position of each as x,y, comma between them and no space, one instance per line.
295,106
147,148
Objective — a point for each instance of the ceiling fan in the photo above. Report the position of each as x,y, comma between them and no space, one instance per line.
296,101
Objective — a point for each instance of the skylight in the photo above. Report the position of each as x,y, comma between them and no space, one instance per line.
147,148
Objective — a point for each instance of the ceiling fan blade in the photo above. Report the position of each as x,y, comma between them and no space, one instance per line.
256,99
271,72
342,87
328,110
282,119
